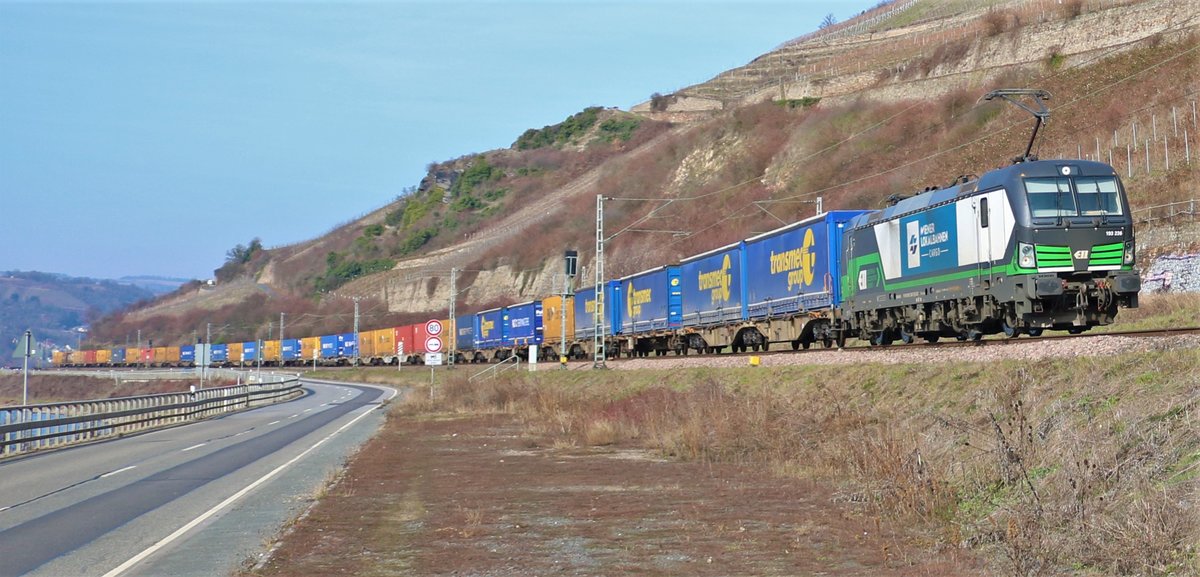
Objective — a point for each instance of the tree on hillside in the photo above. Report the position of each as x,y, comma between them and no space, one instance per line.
828,21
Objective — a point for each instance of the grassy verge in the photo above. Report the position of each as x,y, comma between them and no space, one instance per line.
1086,465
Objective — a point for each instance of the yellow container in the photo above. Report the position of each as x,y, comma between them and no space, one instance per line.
104,356
75,358
552,314
234,353
133,356
172,355
58,358
160,356
271,351
310,346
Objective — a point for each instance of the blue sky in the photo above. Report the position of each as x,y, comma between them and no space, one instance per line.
149,138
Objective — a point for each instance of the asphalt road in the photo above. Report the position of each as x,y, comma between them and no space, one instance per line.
200,499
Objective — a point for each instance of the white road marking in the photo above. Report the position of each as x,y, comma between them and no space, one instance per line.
232,498
272,423
111,473
294,416
193,447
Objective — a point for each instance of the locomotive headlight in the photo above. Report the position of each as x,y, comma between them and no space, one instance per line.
1129,252
1025,255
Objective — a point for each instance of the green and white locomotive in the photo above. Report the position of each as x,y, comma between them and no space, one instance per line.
1041,244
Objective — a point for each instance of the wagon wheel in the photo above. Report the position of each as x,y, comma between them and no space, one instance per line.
1034,332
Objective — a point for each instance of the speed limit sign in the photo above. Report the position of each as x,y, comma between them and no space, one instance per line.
433,327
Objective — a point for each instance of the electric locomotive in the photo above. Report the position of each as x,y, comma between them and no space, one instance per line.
1041,244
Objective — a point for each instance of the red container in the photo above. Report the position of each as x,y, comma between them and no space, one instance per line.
404,335
89,357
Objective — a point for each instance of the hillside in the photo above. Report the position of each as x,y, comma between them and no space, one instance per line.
54,305
887,103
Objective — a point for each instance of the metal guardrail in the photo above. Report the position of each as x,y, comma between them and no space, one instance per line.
30,428
496,369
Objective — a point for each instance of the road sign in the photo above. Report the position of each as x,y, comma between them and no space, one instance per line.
433,327
433,345
432,359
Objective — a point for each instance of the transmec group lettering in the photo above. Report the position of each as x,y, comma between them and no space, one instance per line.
718,281
635,300
798,263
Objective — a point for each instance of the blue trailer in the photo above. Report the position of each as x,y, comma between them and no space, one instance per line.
465,329
219,353
250,351
489,329
118,356
795,268
289,351
585,307
347,346
523,324
649,309
329,346
187,355
713,284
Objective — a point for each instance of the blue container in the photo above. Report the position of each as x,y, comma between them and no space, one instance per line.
795,268
650,301
289,349
118,355
249,351
219,353
489,329
712,286
585,305
523,324
464,338
347,345
329,346
187,354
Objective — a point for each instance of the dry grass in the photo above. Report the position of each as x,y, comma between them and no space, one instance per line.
1084,463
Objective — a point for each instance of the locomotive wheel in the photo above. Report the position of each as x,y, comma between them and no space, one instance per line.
906,337
840,338
1010,331
827,342
804,344
766,346
796,345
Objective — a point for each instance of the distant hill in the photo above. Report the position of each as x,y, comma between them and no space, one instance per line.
55,305
159,285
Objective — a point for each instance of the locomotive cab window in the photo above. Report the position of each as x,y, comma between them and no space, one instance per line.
1098,196
1050,197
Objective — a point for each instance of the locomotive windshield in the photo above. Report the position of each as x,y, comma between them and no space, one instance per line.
1052,197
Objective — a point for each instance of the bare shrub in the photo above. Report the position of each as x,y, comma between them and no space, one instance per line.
998,21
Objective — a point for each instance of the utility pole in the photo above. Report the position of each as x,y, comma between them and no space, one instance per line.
139,348
281,317
355,331
453,340
207,353
598,352
28,351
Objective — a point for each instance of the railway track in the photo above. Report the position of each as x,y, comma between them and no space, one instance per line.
784,349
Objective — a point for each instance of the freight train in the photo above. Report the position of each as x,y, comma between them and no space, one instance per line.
1038,245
